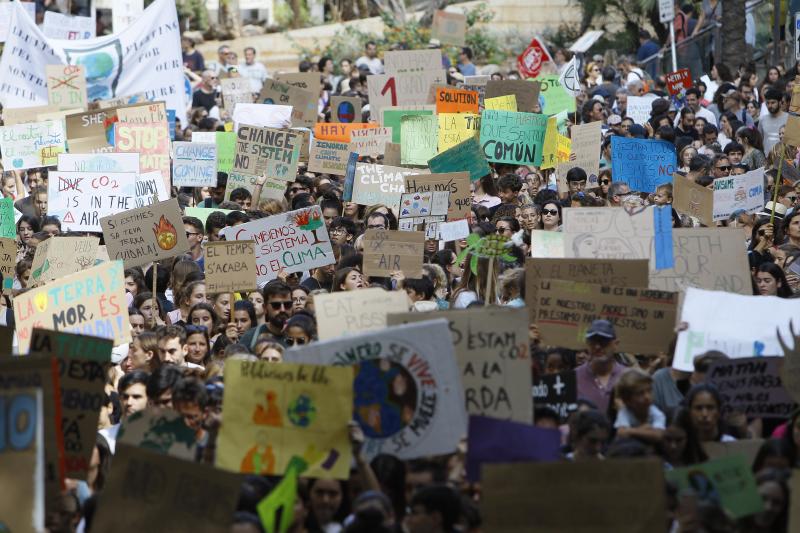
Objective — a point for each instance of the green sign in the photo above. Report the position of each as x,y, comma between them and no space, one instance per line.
514,138
463,157
392,119
8,229
226,150
556,98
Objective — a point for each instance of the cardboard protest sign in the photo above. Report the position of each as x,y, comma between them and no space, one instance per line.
80,199
409,88
456,183
507,102
329,157
66,86
91,302
689,198
226,146
727,481
639,108
20,374
339,132
8,229
276,411
491,347
230,266
8,261
32,145
144,112
420,138
735,193
58,256
262,116
22,115
585,144
643,319
752,385
272,188
370,142
526,92
426,209
346,109
380,184
642,163
68,27
556,98
408,396
449,27
608,233
454,100
559,392
109,162
194,164
515,138
267,152
391,117
82,378
295,241
679,81
310,81
741,326
455,128
547,244
403,61
453,231
150,141
343,313
91,131
234,91
791,134
386,251
501,441
303,102
748,448
148,491
623,496
466,156
159,430
22,459
707,258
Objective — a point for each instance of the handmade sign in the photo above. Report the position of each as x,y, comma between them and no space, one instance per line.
150,141
515,138
276,411
706,258
570,78
453,231
22,458
81,199
491,347
329,157
408,398
343,313
68,27
8,229
426,209
226,146
149,491
420,138
293,241
744,192
194,164
751,385
8,261
339,132
262,116
303,102
639,108
391,117
455,183
272,188
387,251
790,373
547,244
642,163
746,447
230,266
602,233
267,152
309,81
234,91
741,326
644,320
109,162
66,86
449,27
380,184
346,109
403,61
409,88
32,145
585,144
559,392
22,115
57,257
82,377
501,103
678,82
727,481
466,156
454,100
91,131
623,496
525,92
689,198
455,128
556,98
501,441
370,142
159,430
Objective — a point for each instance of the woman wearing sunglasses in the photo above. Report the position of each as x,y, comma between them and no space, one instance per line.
300,330
551,216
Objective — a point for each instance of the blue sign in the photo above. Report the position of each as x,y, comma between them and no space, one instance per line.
643,164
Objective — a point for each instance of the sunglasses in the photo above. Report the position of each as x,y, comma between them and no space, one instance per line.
195,329
286,304
605,182
724,168
291,342
551,212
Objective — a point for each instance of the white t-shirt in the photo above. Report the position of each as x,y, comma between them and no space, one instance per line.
655,418
375,64
255,73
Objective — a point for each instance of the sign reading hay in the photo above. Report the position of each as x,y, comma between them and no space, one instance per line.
408,397
491,347
66,86
515,138
295,241
276,411
343,313
32,145
140,236
194,164
230,266
386,251
267,152
644,320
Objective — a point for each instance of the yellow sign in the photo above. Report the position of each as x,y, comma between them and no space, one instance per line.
556,148
274,411
455,128
507,102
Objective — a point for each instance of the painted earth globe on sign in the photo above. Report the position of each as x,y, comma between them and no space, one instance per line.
385,398
301,411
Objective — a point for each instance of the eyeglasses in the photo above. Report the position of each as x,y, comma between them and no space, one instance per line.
339,230
286,304
725,167
291,342
551,212
195,329
604,182
502,230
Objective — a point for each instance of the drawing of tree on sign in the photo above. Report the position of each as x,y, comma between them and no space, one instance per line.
281,170
309,220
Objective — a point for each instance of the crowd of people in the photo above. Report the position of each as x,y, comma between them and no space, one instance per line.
628,405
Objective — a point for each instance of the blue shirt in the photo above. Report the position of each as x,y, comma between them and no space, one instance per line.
648,49
467,70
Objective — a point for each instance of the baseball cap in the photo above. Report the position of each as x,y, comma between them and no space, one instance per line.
601,328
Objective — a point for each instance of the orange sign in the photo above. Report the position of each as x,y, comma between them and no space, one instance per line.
456,101
339,132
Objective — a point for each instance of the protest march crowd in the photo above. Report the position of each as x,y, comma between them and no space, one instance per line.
397,292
